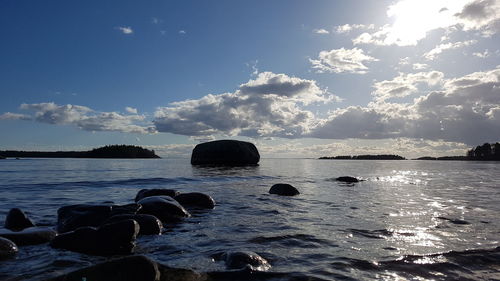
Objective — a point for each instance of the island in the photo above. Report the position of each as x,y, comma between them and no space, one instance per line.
364,157
108,151
484,152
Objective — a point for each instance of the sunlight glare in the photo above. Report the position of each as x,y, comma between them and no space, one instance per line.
414,18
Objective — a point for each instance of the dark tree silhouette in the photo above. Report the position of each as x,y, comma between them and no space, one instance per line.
109,151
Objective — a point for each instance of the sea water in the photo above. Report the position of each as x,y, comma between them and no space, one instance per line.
408,220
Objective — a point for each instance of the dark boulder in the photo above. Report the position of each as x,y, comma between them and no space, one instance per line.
225,152
110,239
131,268
143,193
245,259
8,248
284,189
74,216
148,224
17,220
195,199
30,236
163,207
347,179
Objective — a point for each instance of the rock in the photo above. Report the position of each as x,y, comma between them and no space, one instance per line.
163,207
74,216
283,189
8,248
132,268
195,199
225,152
347,179
243,259
17,220
148,224
30,236
143,193
110,239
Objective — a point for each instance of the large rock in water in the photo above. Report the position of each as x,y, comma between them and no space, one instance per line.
163,207
225,152
17,220
284,189
196,200
30,236
7,248
149,225
110,239
143,193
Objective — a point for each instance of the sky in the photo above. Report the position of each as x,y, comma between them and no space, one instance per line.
297,78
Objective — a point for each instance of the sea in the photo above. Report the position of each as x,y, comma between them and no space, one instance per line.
407,220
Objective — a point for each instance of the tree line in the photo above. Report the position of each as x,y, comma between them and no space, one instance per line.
108,151
486,151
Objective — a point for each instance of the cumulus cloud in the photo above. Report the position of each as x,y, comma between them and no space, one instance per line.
125,29
270,105
342,60
464,110
405,84
131,110
481,15
346,28
482,55
408,28
82,117
432,54
321,31
420,66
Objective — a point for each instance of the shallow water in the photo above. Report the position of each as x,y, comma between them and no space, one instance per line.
409,220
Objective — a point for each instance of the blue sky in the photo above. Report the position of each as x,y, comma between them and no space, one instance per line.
299,78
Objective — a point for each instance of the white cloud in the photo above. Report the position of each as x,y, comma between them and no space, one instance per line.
346,28
413,19
321,31
465,110
270,105
182,32
125,29
432,54
83,117
342,60
14,116
420,66
405,84
131,110
482,55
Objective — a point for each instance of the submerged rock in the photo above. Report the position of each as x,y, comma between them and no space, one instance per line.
110,239
284,189
225,152
347,179
30,236
245,259
163,207
143,193
17,220
195,199
132,268
74,216
148,224
8,248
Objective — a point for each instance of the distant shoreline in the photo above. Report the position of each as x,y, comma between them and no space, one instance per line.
106,152
364,157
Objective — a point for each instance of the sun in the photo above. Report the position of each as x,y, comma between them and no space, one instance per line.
414,18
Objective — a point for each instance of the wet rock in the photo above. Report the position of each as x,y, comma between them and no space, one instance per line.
148,224
284,189
143,193
163,207
195,199
110,239
17,220
245,259
132,268
30,236
347,179
74,216
8,248
225,152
